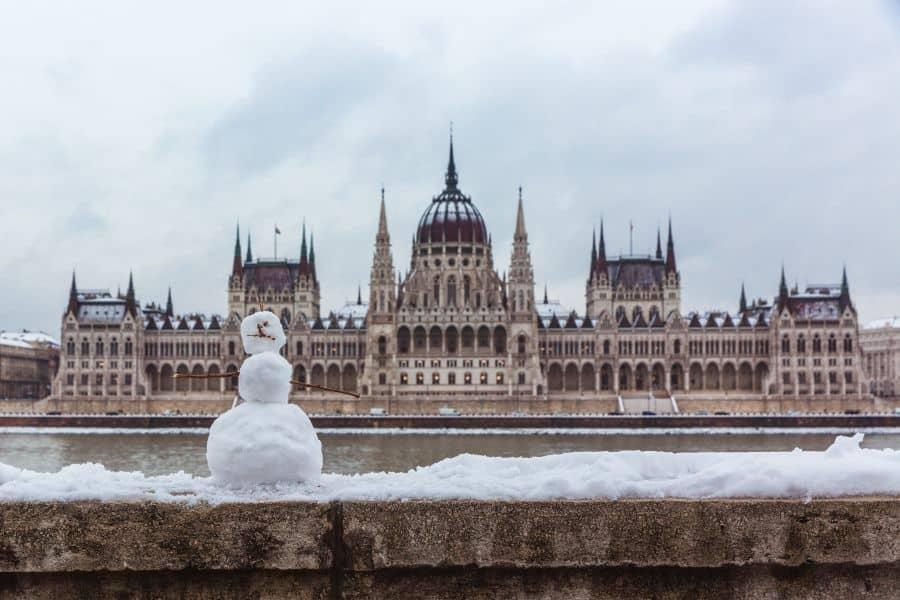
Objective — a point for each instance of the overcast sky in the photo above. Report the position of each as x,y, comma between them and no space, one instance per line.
135,136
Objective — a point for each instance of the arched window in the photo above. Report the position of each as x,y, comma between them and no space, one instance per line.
677,349
801,344
403,340
605,346
521,346
381,306
437,291
70,346
231,348
848,343
382,345
620,313
785,345
114,347
285,317
477,299
99,348
85,347
635,313
654,312
299,348
817,344
521,300
467,289
451,291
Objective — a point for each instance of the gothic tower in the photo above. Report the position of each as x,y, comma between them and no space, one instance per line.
520,302
380,341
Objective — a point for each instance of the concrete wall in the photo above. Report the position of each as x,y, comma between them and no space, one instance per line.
464,549
572,404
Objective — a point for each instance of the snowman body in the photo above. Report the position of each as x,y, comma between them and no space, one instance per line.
265,439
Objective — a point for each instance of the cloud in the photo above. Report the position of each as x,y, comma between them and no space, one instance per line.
767,130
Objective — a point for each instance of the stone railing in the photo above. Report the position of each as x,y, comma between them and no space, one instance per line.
453,549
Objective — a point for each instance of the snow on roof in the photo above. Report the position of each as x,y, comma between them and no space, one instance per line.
14,343
107,311
553,307
357,311
29,337
844,469
889,323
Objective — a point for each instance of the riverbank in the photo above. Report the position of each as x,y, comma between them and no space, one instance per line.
405,422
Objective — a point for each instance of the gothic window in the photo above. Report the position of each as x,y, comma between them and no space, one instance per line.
451,291
231,348
521,305
381,301
620,313
785,345
605,346
382,345
521,378
299,348
832,343
114,348
521,344
420,378
285,317
99,349
654,312
437,291
403,340
477,299
801,344
635,313
817,344
848,344
467,288
451,378
70,346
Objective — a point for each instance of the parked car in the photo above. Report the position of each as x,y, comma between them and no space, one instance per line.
446,411
853,411
721,413
648,413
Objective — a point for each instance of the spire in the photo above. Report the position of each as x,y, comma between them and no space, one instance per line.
382,235
170,309
593,268
236,266
601,252
520,234
659,253
73,296
358,294
451,178
546,301
303,255
845,291
249,250
670,252
130,303
743,302
312,250
782,286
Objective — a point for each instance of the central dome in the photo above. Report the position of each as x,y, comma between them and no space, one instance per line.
451,216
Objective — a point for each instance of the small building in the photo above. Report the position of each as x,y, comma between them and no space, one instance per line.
880,341
28,364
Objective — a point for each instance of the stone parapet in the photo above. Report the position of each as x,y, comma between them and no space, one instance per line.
453,549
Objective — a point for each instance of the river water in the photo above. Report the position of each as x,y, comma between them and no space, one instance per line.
156,453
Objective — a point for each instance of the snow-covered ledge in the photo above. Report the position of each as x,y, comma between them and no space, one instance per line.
593,524
452,549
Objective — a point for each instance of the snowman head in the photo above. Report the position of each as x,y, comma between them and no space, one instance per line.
262,332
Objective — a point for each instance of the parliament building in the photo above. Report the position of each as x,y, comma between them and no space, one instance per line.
452,331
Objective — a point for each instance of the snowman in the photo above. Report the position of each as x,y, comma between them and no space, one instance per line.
263,439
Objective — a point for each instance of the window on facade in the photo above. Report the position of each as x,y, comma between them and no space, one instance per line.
435,378
635,313
467,378
817,344
127,378
420,378
85,347
451,291
521,378
832,343
521,345
70,346
437,291
785,345
786,378
483,378
99,379
477,299
382,378
404,378
70,379
848,343
499,378
677,348
99,348
382,345
801,344
620,313
467,288
84,379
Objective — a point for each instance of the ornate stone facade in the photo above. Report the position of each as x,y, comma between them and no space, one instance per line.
880,341
453,329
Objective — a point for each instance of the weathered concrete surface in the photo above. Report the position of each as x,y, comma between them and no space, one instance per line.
464,549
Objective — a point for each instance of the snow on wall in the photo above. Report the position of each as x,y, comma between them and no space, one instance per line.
844,469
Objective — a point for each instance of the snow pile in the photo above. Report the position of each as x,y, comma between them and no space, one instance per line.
265,439
844,469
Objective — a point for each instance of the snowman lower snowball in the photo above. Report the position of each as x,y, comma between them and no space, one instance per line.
265,439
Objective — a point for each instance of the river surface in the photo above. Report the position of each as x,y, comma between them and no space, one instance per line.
155,453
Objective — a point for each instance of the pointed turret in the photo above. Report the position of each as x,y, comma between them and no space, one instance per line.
358,295
170,308
130,302
546,300
782,290
249,250
659,253
520,233
312,255
743,302
382,236
304,257
601,252
73,296
451,178
593,267
670,252
236,265
845,292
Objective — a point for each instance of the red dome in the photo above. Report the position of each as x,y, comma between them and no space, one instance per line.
452,216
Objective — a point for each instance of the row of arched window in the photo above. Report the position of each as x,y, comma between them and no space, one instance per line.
100,348
801,344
